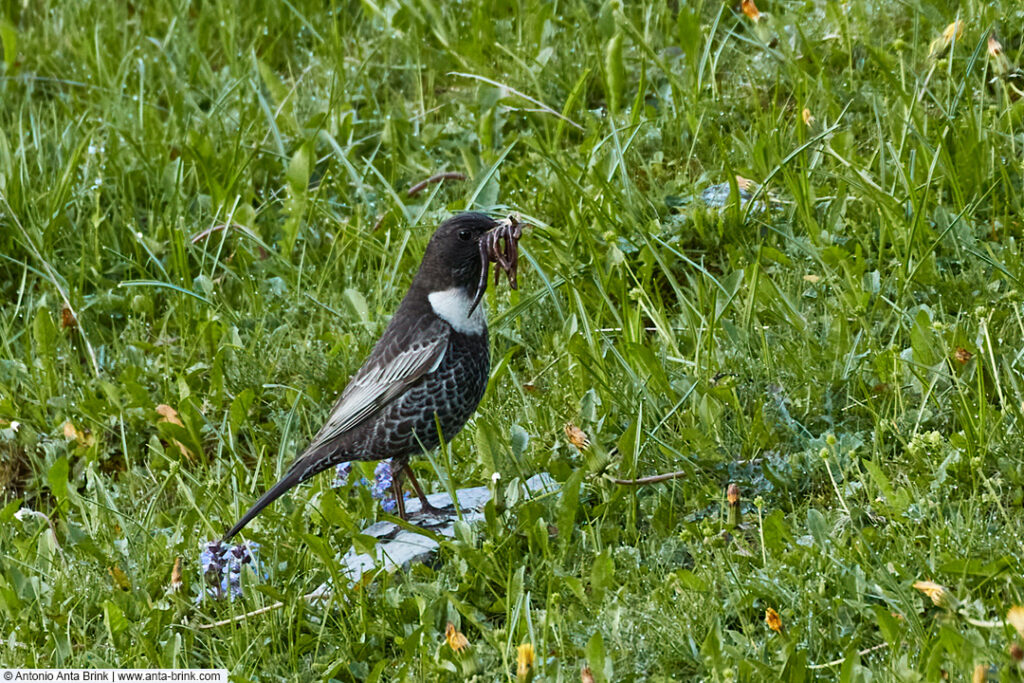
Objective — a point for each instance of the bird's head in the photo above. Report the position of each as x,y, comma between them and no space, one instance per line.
453,257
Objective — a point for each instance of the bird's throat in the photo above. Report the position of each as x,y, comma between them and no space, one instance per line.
452,306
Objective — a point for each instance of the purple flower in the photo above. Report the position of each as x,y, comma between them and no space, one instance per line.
212,559
222,567
380,488
341,472
382,480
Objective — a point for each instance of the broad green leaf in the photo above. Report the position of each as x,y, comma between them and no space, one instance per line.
568,503
602,575
9,38
299,169
57,477
114,619
357,304
629,446
596,657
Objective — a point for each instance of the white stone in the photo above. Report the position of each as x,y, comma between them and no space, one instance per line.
396,550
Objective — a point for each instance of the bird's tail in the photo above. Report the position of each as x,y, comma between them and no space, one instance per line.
301,470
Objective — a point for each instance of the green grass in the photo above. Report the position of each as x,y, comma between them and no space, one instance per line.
812,353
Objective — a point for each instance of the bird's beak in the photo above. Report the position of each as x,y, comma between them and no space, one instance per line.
481,287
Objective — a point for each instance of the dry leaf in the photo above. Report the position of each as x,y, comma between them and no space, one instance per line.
456,640
774,621
586,676
962,355
750,9
807,116
67,318
980,674
812,278
72,433
1015,618
577,437
169,414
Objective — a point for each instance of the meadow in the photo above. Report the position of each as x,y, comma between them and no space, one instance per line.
774,247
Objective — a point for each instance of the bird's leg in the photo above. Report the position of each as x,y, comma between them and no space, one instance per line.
396,486
425,505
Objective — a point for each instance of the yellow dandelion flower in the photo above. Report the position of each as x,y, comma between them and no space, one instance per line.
456,640
938,594
525,658
176,575
954,31
732,494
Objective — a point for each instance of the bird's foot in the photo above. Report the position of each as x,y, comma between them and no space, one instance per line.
433,511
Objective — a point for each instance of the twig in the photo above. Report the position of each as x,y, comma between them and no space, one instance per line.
241,617
319,594
836,662
526,97
653,479
436,178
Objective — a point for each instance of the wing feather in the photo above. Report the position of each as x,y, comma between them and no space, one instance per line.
387,375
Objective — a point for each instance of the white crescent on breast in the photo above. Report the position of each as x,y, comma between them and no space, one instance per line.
452,306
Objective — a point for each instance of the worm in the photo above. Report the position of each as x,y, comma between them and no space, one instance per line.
436,178
501,247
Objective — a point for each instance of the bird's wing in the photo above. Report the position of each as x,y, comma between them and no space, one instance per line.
402,356
397,363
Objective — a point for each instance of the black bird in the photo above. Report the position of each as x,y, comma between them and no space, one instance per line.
432,360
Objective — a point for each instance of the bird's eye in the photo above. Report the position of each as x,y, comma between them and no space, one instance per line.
465,235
